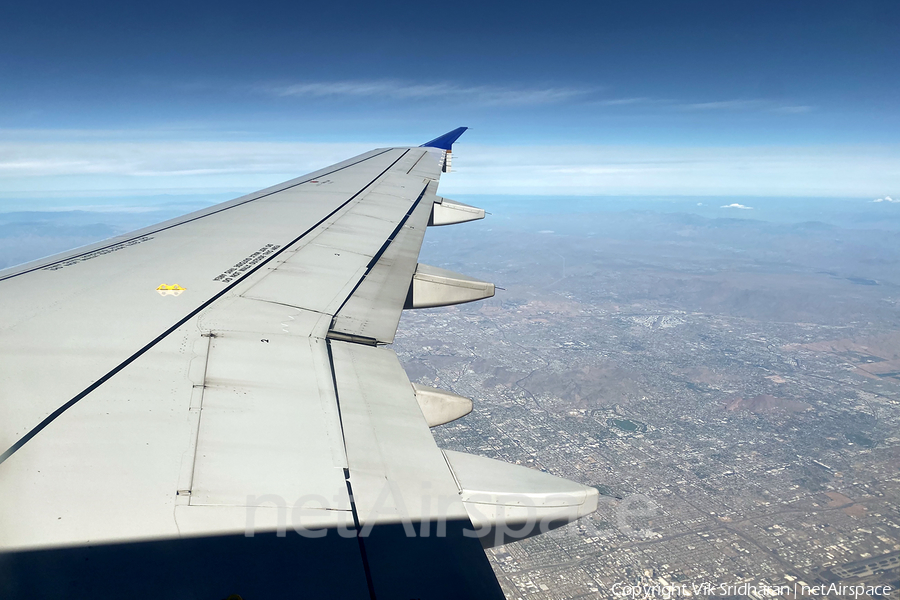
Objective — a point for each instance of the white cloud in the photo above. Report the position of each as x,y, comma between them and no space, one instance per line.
39,168
736,205
755,104
724,105
165,159
828,171
886,199
801,108
403,90
626,101
495,95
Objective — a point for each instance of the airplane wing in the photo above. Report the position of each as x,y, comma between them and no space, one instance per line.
208,407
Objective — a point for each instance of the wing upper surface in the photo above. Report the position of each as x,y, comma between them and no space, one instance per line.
167,393
101,306
188,390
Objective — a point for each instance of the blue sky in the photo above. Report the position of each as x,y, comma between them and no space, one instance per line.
590,98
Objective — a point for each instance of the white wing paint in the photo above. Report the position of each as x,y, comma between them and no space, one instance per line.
206,407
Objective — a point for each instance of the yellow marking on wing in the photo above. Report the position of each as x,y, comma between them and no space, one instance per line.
169,290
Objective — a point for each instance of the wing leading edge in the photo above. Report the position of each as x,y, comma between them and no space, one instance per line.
223,417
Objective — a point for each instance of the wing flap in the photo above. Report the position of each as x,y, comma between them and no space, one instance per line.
263,414
407,503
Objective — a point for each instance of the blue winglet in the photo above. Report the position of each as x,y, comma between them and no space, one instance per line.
445,142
